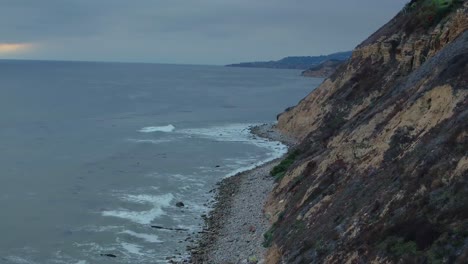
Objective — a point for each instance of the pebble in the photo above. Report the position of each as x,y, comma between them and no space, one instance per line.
238,222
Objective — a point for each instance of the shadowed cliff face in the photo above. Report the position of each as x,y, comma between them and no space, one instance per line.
384,155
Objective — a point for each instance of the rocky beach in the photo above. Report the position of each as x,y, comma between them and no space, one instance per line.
235,226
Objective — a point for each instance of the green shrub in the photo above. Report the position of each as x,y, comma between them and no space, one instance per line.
398,246
402,248
409,7
321,247
430,12
299,226
268,238
281,216
253,259
280,170
448,245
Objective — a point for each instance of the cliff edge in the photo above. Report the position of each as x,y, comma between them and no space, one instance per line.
323,70
381,173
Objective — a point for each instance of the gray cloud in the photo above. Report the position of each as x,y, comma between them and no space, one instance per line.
189,31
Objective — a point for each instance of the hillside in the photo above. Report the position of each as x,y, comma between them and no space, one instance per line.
381,173
323,70
298,62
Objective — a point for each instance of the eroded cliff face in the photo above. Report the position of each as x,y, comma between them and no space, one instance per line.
376,66
382,175
323,70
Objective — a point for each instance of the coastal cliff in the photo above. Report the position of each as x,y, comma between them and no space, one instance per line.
323,70
380,175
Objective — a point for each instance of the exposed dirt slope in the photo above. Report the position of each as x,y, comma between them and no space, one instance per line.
383,170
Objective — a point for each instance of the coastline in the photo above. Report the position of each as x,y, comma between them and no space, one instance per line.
234,228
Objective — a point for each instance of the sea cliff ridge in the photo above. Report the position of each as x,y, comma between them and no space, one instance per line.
380,171
382,174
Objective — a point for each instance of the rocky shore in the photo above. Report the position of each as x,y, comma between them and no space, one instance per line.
270,131
235,226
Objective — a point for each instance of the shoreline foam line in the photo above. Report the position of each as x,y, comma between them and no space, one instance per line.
241,133
212,246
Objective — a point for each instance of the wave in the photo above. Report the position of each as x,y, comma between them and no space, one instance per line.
127,252
151,129
162,200
142,217
18,260
132,248
146,237
150,141
97,228
240,133
230,133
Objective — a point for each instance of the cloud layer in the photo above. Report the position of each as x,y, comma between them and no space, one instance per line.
189,31
15,48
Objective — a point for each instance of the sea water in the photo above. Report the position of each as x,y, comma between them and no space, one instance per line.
93,154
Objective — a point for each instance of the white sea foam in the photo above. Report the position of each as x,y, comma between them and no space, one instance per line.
249,167
144,217
146,237
93,249
132,248
277,153
62,258
150,141
97,228
187,227
151,129
127,252
240,133
158,202
232,132
18,260
188,179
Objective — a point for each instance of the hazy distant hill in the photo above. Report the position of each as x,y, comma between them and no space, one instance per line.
296,62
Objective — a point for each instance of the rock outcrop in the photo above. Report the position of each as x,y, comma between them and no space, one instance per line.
383,166
323,70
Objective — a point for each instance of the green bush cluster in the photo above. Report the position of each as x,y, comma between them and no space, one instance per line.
280,170
431,12
268,238
402,248
447,246
398,246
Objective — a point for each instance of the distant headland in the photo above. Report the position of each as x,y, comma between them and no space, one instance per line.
312,65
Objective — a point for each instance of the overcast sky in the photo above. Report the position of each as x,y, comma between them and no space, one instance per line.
186,31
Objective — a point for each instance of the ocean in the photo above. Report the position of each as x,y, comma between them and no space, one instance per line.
93,154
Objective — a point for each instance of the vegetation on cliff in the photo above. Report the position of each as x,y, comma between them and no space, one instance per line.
279,170
383,167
